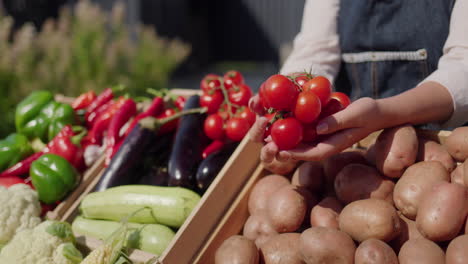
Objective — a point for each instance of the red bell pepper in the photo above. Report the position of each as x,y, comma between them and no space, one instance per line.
84,100
153,110
214,146
121,116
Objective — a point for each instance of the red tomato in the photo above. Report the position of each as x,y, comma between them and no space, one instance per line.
170,126
205,82
237,128
321,86
248,115
214,127
212,101
232,78
180,102
261,94
8,181
307,107
342,98
280,92
309,133
240,95
286,133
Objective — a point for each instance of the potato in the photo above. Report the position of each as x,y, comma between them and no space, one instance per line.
282,248
237,249
357,181
457,143
421,251
374,251
335,163
415,181
457,176
370,218
408,231
287,210
326,213
326,245
262,191
309,175
457,251
259,229
442,211
430,150
395,150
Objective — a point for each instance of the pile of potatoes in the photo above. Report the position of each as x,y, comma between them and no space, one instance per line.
402,200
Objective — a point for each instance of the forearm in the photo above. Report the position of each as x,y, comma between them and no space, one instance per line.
426,103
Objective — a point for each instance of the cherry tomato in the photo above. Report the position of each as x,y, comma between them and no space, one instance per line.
212,101
286,133
240,95
307,107
237,128
261,94
268,128
280,92
321,86
223,111
180,102
338,101
309,132
170,126
248,115
342,98
214,127
210,83
232,78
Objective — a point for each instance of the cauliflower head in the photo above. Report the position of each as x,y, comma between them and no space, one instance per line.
51,242
19,210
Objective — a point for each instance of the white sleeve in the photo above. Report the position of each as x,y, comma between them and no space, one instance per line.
316,47
452,71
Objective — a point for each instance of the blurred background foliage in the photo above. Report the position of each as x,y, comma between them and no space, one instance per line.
84,49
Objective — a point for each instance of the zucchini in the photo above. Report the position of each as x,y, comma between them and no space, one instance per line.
166,205
151,238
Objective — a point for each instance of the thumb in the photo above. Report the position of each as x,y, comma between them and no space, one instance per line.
256,106
336,122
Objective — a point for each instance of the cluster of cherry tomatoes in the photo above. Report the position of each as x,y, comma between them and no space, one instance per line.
295,103
226,98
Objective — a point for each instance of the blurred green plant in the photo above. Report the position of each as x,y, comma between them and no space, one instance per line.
82,50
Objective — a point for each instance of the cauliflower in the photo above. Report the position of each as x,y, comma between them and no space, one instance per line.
51,242
19,210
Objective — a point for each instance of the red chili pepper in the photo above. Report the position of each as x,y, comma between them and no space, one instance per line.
84,100
11,180
121,116
170,126
180,102
214,146
153,110
91,118
96,134
104,97
21,167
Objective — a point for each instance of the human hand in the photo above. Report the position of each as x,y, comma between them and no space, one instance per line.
340,130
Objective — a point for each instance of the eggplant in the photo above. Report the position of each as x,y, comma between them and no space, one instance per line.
123,168
212,165
188,146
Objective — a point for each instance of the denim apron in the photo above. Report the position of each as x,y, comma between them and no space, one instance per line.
389,46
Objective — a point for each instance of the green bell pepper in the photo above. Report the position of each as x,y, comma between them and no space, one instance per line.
53,177
51,119
28,109
13,149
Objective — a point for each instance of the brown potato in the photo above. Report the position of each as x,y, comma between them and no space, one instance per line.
326,245
357,181
408,231
430,150
309,175
335,163
374,251
370,218
259,229
287,209
325,213
282,248
395,150
415,181
442,211
421,251
457,176
237,249
262,190
457,143
457,251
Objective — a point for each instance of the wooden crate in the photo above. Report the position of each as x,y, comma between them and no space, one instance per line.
235,217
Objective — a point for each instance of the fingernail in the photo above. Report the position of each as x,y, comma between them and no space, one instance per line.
322,128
